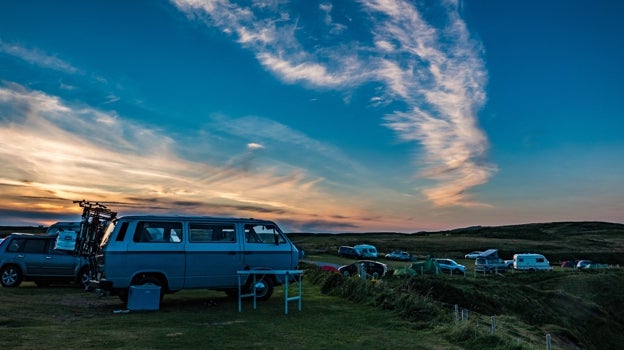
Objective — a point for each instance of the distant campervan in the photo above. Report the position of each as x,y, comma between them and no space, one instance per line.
366,251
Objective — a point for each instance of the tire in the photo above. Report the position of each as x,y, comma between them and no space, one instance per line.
376,275
11,276
264,287
346,273
83,278
457,271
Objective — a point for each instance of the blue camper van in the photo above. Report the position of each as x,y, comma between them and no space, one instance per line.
366,251
178,252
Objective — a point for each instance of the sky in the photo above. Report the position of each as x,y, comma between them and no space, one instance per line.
324,116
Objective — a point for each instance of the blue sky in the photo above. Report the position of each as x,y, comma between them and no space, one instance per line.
326,116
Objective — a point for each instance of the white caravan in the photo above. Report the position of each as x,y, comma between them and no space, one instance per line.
531,262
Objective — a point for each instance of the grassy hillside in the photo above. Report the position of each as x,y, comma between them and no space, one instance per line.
580,309
598,241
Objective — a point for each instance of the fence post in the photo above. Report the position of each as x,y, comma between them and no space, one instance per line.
456,312
493,326
464,315
548,342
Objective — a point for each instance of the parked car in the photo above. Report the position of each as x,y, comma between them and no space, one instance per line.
347,252
473,255
27,257
490,265
63,226
582,264
567,263
451,266
399,255
329,268
489,262
372,268
588,264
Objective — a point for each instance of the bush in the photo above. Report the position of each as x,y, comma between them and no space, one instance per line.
471,337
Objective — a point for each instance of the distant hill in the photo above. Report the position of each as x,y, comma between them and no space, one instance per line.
544,230
563,227
599,241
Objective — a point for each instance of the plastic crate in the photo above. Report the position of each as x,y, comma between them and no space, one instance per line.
144,297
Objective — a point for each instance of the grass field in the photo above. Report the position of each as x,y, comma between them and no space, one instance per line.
62,317
579,309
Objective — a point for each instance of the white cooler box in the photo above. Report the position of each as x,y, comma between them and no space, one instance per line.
144,297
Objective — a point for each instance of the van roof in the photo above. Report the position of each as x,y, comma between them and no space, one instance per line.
489,252
192,218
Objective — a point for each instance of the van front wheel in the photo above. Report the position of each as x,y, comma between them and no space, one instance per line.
264,287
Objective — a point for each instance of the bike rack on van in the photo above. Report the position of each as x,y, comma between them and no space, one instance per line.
95,220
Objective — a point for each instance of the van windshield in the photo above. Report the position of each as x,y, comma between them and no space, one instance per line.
263,233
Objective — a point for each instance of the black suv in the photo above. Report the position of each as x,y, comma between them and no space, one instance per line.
27,257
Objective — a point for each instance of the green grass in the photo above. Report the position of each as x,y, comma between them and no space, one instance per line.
338,312
59,317
579,309
598,241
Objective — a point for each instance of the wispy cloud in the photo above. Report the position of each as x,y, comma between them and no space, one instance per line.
37,57
58,152
434,70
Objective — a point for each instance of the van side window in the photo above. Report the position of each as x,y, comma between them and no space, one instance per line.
122,232
212,233
540,260
158,232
